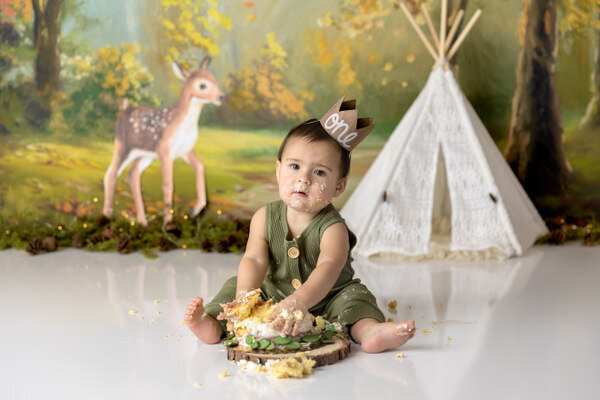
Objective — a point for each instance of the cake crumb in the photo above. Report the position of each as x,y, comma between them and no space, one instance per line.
400,355
393,304
223,374
290,367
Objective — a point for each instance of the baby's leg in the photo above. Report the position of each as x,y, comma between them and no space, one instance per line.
205,327
375,336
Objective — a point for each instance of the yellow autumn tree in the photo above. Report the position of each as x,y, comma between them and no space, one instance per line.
259,93
118,72
189,26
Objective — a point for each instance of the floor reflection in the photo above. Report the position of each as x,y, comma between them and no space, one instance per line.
451,303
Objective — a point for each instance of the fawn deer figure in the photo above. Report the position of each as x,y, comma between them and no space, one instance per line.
144,133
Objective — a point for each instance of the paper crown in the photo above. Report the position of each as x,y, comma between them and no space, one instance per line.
342,124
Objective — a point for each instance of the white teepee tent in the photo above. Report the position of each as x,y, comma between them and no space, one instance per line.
440,188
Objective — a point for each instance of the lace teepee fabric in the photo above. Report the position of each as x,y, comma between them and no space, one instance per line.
411,185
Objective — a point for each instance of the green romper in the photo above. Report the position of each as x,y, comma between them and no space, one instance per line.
292,261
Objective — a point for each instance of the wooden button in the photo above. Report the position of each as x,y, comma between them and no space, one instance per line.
293,252
296,283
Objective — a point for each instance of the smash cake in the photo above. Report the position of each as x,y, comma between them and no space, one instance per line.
250,339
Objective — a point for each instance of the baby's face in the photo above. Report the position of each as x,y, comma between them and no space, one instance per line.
309,174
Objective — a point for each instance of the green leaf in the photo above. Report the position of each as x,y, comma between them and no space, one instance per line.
327,341
249,339
293,345
283,339
327,335
230,335
263,343
230,342
330,328
310,338
254,345
270,347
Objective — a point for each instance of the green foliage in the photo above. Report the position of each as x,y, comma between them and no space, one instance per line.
98,233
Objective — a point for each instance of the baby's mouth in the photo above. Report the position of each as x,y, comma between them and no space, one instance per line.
299,193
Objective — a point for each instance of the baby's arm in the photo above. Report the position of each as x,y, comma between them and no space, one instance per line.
332,258
253,266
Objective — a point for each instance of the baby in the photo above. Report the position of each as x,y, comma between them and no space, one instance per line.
298,251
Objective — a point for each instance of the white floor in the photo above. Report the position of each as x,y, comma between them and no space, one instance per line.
526,328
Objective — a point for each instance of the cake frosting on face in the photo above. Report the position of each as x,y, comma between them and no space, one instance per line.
249,316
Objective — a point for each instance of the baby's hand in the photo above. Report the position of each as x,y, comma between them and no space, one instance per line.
229,308
287,317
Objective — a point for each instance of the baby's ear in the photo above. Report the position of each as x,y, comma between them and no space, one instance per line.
340,187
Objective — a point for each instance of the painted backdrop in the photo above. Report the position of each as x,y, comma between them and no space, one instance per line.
530,68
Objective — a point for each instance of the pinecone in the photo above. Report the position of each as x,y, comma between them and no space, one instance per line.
172,229
35,246
123,243
223,246
50,243
96,239
589,239
109,232
102,220
78,241
206,245
557,236
163,244
242,225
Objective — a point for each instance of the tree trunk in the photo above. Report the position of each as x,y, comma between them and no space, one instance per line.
46,30
592,114
535,140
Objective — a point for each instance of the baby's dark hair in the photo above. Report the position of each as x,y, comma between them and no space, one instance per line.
312,131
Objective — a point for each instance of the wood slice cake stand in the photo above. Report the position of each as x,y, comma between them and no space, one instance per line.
324,355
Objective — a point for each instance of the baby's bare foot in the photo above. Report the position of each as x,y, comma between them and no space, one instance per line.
387,335
200,323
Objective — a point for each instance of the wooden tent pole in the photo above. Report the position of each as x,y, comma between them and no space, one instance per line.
464,33
453,29
443,28
419,31
430,25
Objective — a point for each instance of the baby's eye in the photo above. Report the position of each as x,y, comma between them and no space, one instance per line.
294,166
319,172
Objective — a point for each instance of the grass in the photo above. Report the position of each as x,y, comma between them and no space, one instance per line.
53,178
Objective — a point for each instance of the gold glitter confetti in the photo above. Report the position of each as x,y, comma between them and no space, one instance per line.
167,336
183,322
158,313
197,384
156,301
426,331
132,311
400,355
393,304
153,321
223,374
